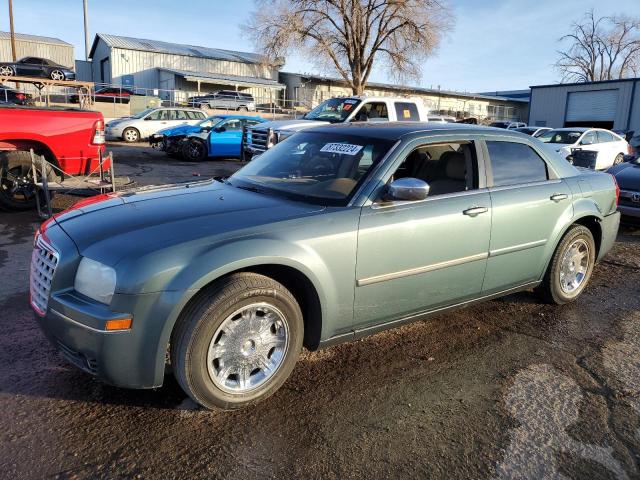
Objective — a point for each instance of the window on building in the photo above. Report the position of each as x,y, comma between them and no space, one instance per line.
515,163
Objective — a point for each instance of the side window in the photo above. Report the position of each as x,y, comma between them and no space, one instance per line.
179,115
191,115
447,167
251,123
372,111
157,115
407,112
233,125
515,163
604,137
200,115
589,139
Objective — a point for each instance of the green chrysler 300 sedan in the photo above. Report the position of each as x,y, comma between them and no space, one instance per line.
335,233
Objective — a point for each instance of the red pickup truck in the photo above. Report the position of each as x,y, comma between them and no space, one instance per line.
70,139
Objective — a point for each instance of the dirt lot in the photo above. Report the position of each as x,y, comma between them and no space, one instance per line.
508,389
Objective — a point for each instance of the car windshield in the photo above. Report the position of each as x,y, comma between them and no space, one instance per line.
566,137
319,168
210,122
142,113
334,110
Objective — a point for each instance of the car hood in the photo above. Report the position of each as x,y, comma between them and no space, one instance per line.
118,121
291,124
179,130
130,224
627,175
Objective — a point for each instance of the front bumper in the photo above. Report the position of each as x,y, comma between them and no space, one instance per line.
609,226
133,358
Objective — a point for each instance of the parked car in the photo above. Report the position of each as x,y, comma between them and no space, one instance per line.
108,94
220,139
317,241
611,148
36,67
11,95
532,131
441,119
69,139
337,110
167,138
508,125
627,175
150,121
225,100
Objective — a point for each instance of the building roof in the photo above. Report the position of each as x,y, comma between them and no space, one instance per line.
35,38
405,88
222,79
158,46
575,84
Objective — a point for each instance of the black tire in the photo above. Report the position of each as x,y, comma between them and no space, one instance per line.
17,186
243,109
551,289
131,135
201,319
194,150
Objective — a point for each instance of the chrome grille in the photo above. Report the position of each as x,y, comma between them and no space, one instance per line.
259,138
44,260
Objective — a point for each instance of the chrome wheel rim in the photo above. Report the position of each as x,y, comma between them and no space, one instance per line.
6,71
57,75
574,266
131,135
248,348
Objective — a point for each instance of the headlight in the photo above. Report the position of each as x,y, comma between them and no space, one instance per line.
95,280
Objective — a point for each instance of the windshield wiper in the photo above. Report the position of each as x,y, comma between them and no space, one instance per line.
250,189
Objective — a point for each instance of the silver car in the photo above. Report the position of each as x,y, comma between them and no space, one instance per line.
150,121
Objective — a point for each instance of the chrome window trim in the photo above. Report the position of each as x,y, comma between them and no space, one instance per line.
401,203
525,185
418,270
516,248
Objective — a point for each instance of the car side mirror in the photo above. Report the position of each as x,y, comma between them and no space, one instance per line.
407,189
220,129
147,118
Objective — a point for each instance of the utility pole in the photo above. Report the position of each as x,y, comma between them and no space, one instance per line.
13,33
86,29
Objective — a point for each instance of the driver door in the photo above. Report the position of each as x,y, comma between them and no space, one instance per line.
416,256
226,143
30,67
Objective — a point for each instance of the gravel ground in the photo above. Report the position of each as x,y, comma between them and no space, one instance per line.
508,389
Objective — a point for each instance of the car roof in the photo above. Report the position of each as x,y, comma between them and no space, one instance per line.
395,130
573,129
241,117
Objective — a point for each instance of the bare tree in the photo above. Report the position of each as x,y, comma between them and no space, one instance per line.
350,35
604,48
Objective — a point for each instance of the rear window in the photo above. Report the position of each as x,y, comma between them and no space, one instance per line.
407,112
515,163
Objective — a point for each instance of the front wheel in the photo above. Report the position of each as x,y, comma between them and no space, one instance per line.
570,268
238,342
194,150
619,159
57,75
131,135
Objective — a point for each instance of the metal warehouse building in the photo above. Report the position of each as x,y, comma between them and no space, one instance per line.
164,66
613,104
36,46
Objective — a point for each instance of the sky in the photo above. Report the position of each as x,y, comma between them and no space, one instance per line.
494,45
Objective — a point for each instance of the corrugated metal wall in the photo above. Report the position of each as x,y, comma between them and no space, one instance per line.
62,54
549,104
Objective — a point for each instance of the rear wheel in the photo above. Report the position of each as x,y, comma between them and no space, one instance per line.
619,159
131,135
238,342
243,109
194,150
17,186
570,268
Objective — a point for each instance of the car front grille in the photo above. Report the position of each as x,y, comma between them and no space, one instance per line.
44,261
259,139
629,198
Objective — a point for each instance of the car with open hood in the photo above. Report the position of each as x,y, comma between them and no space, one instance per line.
335,233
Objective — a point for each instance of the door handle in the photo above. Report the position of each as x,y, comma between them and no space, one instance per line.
558,197
475,211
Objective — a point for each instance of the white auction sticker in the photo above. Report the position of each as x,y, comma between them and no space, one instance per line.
343,148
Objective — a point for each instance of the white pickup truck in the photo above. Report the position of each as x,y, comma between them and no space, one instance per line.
336,110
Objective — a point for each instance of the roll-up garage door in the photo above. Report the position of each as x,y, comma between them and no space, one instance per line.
592,106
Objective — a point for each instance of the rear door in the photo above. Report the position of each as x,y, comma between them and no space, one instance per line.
528,201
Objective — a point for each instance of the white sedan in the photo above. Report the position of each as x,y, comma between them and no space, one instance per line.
611,147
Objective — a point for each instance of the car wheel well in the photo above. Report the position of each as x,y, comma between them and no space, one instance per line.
593,224
304,292
26,145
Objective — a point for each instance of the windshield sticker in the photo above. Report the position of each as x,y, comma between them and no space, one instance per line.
349,101
347,106
342,148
